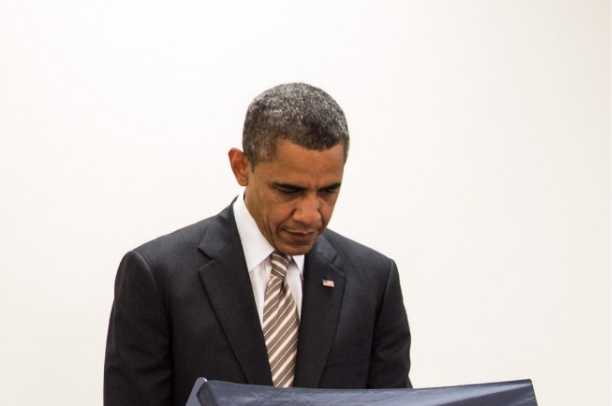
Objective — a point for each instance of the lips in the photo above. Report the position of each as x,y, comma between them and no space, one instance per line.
307,232
302,235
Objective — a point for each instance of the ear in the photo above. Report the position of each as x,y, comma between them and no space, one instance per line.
240,166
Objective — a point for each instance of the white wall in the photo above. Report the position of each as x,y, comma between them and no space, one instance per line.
480,161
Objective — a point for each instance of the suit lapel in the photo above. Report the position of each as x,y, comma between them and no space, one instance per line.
320,313
226,281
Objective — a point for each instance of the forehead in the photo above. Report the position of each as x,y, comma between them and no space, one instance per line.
304,165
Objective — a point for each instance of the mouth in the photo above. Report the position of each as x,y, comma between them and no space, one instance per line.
302,236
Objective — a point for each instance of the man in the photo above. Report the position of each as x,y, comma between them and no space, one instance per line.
203,301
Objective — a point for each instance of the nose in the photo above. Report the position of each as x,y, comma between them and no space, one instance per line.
308,211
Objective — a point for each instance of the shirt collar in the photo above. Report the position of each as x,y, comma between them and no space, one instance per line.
255,246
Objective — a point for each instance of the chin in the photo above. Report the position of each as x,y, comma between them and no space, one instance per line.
301,249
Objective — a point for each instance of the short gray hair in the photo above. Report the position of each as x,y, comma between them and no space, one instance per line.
297,112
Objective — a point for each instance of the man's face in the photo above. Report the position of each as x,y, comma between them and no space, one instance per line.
291,197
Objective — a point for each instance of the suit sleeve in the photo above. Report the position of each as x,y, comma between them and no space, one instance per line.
138,369
390,358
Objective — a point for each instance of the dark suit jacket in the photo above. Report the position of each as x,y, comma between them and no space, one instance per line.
184,308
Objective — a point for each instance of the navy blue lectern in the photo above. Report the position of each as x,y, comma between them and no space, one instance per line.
216,393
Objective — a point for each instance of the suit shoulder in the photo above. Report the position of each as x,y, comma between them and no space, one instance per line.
188,235
185,240
346,247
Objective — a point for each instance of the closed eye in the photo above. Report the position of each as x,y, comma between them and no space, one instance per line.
288,189
331,189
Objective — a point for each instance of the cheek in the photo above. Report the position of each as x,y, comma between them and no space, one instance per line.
326,211
279,214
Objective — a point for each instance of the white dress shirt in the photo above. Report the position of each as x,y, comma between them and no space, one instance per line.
257,251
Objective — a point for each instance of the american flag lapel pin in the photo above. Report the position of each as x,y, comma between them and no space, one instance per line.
328,283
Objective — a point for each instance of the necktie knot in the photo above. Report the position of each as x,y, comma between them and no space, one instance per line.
280,264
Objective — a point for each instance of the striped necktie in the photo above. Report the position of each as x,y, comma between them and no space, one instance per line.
280,323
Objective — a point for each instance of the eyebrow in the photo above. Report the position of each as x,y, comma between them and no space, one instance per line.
295,187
